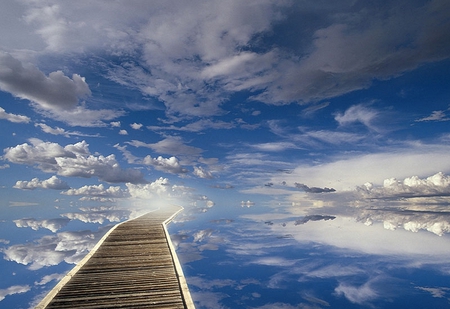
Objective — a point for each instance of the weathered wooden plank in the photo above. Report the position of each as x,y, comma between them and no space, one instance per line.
134,267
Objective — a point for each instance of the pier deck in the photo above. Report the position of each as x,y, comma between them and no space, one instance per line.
134,266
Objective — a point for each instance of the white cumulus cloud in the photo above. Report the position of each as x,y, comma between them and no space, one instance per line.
159,187
50,224
96,190
168,165
136,126
73,160
52,250
432,186
51,183
202,173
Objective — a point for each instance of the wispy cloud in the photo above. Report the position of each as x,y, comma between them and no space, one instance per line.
22,204
13,117
362,294
197,126
4,166
438,292
360,114
15,289
311,110
82,116
328,137
274,146
172,145
60,131
49,278
436,116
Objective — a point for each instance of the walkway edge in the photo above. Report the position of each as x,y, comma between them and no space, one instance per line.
49,297
179,270
188,303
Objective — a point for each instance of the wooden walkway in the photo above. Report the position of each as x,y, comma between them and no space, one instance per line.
133,266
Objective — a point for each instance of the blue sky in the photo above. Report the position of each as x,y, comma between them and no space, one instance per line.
294,119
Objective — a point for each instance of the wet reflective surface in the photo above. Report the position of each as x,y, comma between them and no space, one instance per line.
300,256
337,250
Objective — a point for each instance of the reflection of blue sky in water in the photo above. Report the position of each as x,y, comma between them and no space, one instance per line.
261,257
346,249
41,251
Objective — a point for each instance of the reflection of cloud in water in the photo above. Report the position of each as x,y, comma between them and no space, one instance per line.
435,222
202,235
433,186
413,214
346,233
330,251
358,294
50,224
225,221
313,218
70,247
99,215
338,269
438,292
247,204
274,261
